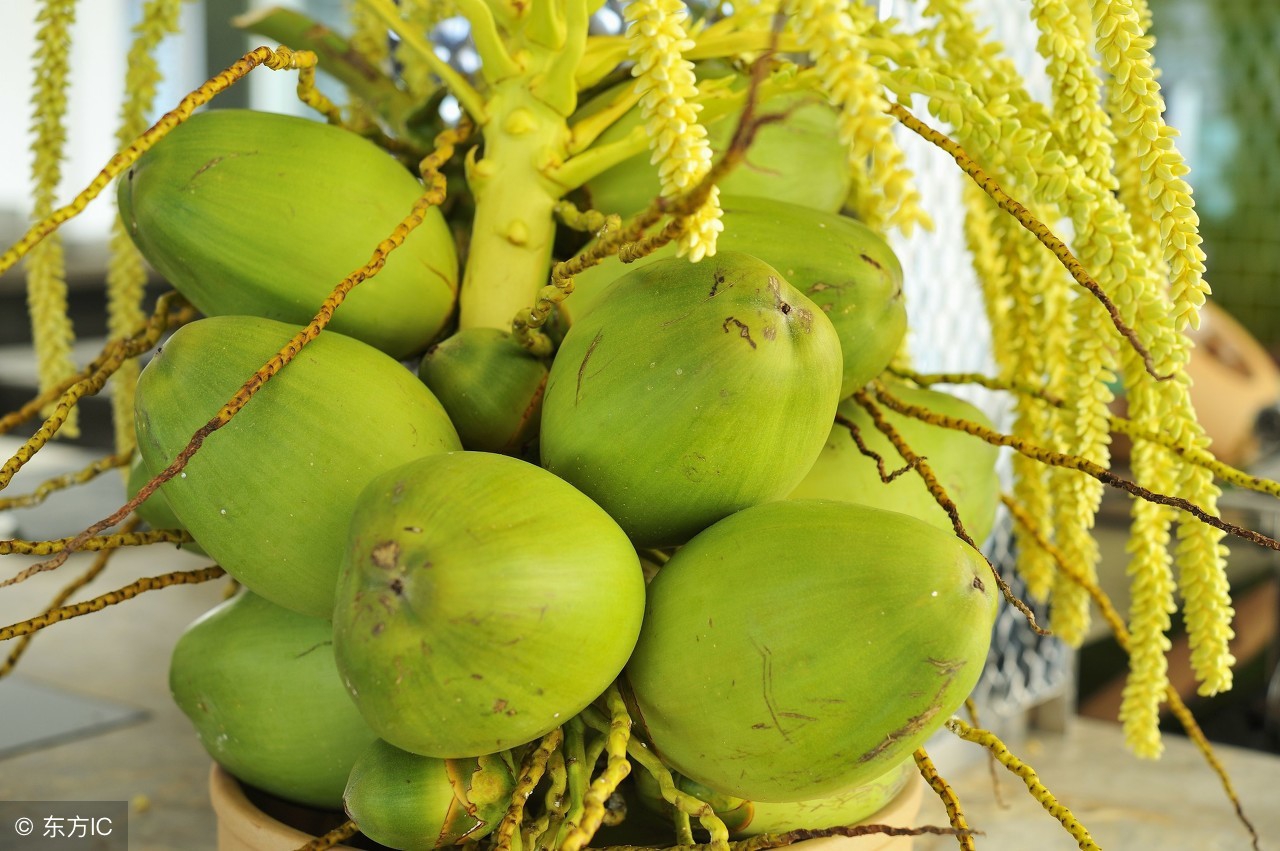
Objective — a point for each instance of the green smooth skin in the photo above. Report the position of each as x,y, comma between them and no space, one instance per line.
490,385
965,466
843,266
155,510
270,494
692,391
261,214
410,802
483,602
799,160
796,649
751,818
260,685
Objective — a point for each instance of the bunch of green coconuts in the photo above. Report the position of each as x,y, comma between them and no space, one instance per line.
440,536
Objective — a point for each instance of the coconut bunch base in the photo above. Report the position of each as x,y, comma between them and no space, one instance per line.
249,820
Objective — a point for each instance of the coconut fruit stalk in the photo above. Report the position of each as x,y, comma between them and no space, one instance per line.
417,803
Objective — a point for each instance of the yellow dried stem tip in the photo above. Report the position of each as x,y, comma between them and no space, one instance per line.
1052,805
943,790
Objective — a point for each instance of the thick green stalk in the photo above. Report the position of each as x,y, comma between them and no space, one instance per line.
511,237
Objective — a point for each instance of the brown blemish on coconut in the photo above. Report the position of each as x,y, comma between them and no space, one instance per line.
397,586
385,555
743,331
977,583
871,260
766,691
499,706
717,278
313,648
582,367
947,668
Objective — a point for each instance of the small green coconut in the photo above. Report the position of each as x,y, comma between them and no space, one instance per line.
260,686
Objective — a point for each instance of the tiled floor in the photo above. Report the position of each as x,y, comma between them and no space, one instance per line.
119,655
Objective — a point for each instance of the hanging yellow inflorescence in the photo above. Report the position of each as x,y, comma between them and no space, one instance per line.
46,267
126,272
667,88
1150,182
1151,185
1068,164
833,33
1083,128
1126,55
1038,276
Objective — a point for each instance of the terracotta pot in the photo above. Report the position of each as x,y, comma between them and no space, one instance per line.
251,821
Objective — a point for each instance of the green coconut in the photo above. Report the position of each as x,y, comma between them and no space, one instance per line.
843,266
260,685
269,495
416,803
198,207
800,160
482,603
690,392
965,466
491,387
799,648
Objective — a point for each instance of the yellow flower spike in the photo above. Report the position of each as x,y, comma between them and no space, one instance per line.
991,269
1126,56
1150,577
667,87
1038,276
1151,589
1201,560
46,267
1206,606
833,33
126,272
755,14
1081,122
